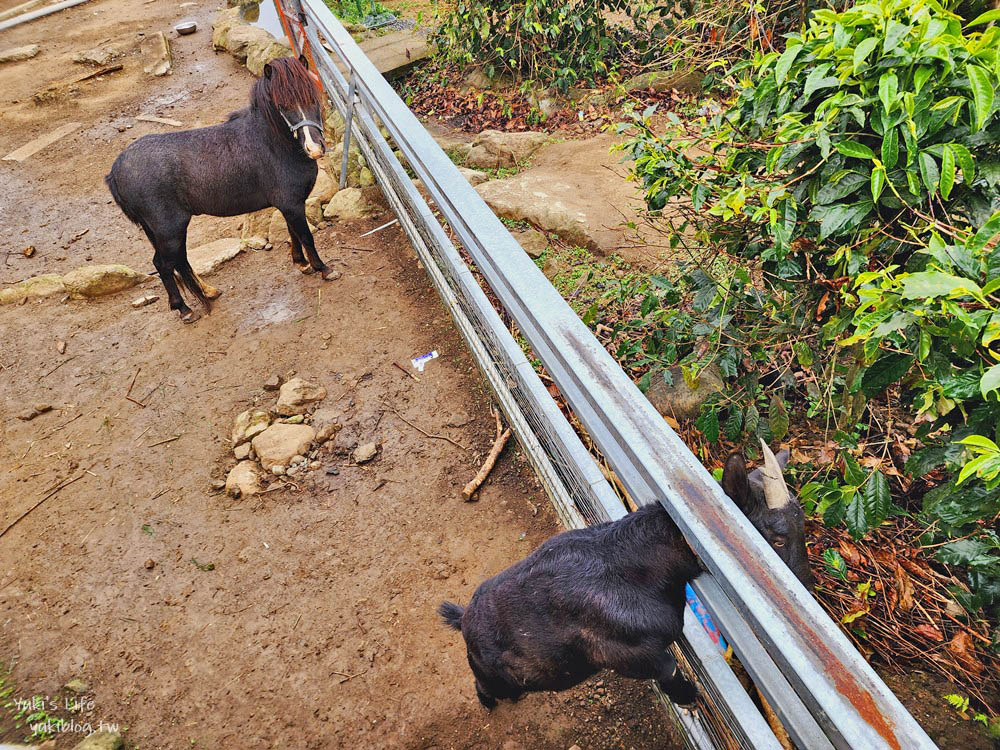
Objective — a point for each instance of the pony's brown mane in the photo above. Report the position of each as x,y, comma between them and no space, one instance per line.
289,87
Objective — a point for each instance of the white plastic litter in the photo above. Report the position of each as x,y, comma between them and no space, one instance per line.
420,362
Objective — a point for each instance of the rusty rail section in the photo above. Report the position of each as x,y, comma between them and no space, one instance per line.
822,688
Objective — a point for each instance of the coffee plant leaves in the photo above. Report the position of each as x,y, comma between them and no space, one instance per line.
856,518
777,417
884,373
877,499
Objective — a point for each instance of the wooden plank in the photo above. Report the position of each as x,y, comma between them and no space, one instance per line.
33,147
162,121
57,88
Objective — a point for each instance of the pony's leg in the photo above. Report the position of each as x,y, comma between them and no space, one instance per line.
298,227
170,258
298,259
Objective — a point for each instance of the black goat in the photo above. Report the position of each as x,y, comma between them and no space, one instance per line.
610,596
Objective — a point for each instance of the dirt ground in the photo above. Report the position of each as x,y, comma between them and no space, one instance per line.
315,626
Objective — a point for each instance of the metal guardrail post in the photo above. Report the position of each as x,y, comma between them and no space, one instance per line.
851,705
348,122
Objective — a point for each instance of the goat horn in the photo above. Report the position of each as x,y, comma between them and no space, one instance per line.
775,489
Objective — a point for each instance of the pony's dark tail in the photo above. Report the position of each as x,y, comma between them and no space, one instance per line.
451,613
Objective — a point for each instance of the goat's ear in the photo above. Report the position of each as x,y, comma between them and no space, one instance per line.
736,484
267,71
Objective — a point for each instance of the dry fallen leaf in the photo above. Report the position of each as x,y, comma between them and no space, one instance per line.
929,632
904,587
672,422
849,552
965,651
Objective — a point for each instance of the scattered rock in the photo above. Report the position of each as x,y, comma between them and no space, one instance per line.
61,347
474,176
278,443
678,399
688,82
206,259
326,432
552,268
103,740
149,564
218,484
348,203
295,419
155,50
493,149
273,383
38,286
77,686
313,465
296,395
17,54
253,232
145,300
243,480
533,242
248,424
296,460
242,451
186,27
29,251
278,470
365,453
96,56
95,281
29,414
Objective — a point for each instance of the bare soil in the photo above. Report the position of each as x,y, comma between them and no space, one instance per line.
301,618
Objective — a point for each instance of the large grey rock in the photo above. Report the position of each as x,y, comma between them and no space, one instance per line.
95,281
207,259
493,149
17,54
38,286
276,445
688,82
296,395
243,480
679,400
248,424
103,740
539,201
533,242
349,204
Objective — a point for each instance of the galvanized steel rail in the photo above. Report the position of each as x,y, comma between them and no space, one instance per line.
824,691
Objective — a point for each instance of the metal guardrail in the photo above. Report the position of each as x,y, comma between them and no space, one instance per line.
823,690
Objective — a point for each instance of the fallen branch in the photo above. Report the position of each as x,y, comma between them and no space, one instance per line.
18,520
428,434
501,440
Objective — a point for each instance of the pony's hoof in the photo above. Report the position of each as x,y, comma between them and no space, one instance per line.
188,316
306,269
331,274
212,293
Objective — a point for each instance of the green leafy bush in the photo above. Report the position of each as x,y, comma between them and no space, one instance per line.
862,166
552,41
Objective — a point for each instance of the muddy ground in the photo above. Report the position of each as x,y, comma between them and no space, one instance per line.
315,626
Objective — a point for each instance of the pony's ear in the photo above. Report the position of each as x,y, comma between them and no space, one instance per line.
304,60
267,71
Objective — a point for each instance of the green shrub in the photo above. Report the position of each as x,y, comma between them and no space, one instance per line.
862,165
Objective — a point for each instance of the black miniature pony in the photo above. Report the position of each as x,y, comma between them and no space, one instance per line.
264,155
